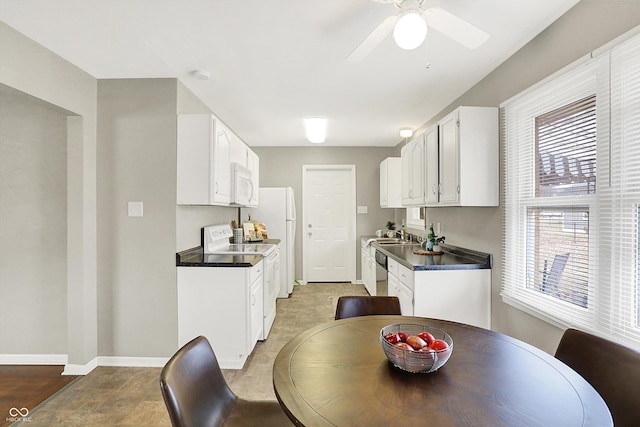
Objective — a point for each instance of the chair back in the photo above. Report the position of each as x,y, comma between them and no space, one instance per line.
193,388
352,306
612,369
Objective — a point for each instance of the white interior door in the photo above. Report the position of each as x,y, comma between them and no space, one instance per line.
328,227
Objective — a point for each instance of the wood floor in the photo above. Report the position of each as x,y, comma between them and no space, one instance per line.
128,396
26,386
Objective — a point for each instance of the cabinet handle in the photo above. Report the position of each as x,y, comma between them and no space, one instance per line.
439,188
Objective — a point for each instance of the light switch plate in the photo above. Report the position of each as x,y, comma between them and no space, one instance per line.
135,209
363,209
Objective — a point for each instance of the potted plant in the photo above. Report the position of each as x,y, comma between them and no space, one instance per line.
391,226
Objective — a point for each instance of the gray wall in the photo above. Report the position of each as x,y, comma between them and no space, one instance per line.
33,225
282,167
137,162
587,26
28,68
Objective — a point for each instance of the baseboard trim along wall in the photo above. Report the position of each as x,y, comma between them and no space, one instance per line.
33,359
75,369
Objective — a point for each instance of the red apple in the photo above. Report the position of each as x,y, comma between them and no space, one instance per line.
392,338
429,350
427,336
404,346
404,336
416,342
438,345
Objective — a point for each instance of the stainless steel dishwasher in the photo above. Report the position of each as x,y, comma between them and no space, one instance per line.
381,274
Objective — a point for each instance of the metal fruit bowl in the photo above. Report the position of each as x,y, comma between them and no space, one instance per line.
411,360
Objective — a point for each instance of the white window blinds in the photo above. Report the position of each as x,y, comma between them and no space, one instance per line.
572,196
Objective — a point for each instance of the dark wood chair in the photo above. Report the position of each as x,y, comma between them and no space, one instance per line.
197,395
352,306
612,369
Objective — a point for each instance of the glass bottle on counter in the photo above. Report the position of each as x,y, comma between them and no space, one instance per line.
431,238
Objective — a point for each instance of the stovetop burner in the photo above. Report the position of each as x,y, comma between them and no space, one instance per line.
216,241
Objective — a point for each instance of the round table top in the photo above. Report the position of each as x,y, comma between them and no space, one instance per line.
336,374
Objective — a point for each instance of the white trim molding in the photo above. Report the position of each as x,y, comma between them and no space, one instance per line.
33,359
75,369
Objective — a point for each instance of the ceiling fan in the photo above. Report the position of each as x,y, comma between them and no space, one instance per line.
409,27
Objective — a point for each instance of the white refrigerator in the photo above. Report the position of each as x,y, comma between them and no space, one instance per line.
277,211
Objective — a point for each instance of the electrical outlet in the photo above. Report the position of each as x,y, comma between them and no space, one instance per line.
135,209
363,209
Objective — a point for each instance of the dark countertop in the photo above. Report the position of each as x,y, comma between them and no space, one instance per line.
195,257
453,257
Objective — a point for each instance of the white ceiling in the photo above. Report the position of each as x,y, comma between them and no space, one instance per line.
272,62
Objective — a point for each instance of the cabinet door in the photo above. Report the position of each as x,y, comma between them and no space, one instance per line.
221,166
405,159
256,303
254,166
392,284
413,172
417,172
384,182
431,167
405,295
238,152
449,155
391,183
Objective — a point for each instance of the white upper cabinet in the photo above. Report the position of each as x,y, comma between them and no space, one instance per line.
432,187
245,157
413,168
203,161
391,183
253,164
462,159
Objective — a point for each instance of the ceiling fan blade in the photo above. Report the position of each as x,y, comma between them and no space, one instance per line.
373,40
455,28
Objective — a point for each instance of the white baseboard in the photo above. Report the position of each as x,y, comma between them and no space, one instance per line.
75,369
33,359
140,362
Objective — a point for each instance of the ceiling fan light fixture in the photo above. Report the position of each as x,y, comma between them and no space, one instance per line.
316,129
410,31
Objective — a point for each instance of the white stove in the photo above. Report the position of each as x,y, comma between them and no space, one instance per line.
216,242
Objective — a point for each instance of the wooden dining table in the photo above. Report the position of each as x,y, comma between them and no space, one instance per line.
336,374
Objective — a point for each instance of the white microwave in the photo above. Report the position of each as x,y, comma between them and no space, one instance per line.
241,185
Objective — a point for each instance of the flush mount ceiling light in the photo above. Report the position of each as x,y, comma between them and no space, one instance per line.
406,133
316,129
411,29
201,74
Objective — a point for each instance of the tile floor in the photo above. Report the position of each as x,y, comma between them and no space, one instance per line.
123,396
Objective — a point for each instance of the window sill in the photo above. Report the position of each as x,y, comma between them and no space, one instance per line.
535,312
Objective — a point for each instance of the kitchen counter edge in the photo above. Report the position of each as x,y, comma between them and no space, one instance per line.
453,258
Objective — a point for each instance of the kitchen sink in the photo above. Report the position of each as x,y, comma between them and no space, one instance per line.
394,242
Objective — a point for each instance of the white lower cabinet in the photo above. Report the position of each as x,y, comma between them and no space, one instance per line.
225,304
368,267
256,299
400,284
457,295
